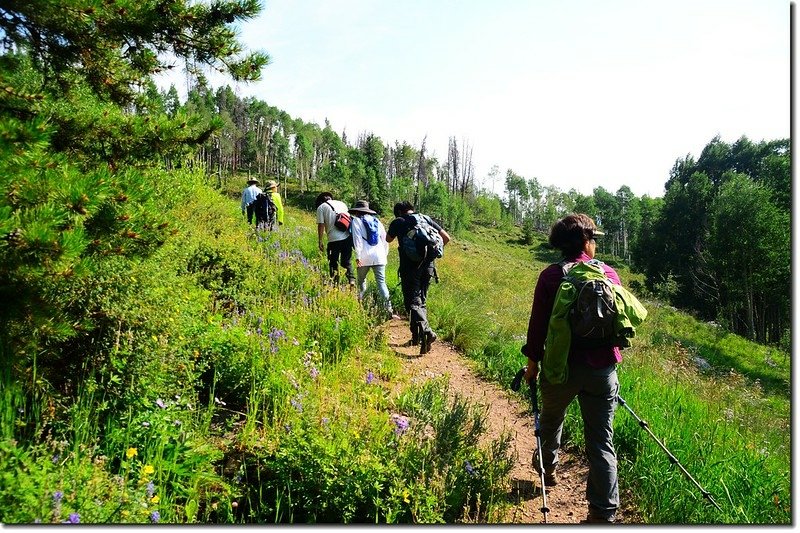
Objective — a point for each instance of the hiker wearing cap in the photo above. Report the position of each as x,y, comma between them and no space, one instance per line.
371,251
340,242
249,197
272,187
591,373
415,276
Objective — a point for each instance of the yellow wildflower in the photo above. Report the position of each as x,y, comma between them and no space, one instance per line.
148,469
155,499
406,495
131,453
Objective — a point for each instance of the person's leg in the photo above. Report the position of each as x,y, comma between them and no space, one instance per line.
555,400
361,281
598,401
409,283
333,259
380,279
251,210
346,251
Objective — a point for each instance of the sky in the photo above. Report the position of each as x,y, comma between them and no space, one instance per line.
578,94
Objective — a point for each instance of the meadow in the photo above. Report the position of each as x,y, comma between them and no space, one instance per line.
230,382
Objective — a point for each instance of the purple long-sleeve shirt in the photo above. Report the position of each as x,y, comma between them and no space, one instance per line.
543,298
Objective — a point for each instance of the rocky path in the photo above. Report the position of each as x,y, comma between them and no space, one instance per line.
566,501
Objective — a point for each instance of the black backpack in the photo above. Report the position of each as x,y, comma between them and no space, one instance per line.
592,315
421,241
266,211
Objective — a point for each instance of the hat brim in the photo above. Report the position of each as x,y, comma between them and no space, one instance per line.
362,210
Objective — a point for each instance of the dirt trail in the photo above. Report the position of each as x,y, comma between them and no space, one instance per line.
567,501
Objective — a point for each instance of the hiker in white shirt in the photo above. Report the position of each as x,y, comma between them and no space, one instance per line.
371,250
340,242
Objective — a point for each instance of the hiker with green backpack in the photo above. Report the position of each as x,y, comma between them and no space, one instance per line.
580,318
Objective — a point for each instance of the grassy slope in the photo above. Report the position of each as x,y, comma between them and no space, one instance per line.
720,403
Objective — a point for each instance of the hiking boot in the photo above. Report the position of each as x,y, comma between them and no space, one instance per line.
551,479
428,338
596,517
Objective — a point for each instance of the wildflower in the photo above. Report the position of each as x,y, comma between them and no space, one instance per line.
155,499
130,453
55,459
297,404
151,490
469,468
313,372
325,420
148,469
155,516
74,518
57,496
160,403
406,496
370,377
401,424
146,424
177,423
288,428
295,341
259,331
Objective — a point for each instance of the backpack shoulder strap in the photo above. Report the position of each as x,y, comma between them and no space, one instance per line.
566,266
331,206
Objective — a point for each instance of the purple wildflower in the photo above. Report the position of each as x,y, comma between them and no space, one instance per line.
288,428
56,458
74,518
155,516
259,331
370,377
297,404
57,496
151,489
160,403
325,420
401,424
313,372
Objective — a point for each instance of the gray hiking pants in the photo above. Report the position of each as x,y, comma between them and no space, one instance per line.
596,389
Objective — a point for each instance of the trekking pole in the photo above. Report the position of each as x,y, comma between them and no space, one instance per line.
515,384
672,458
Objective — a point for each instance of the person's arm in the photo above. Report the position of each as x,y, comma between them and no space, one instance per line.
445,236
541,308
390,233
320,233
356,230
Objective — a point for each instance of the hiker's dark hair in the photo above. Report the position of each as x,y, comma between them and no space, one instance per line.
322,198
570,233
401,208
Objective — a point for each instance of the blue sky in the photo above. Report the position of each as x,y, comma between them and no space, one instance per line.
578,94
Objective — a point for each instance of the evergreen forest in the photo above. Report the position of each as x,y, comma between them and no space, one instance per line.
164,362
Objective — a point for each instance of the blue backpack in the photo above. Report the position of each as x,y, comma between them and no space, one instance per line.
371,228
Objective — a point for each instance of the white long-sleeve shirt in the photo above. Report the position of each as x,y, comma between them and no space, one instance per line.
249,195
369,255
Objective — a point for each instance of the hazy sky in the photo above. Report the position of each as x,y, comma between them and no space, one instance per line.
575,93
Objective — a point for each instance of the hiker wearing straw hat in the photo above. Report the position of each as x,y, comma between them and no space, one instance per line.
371,250
249,195
272,187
